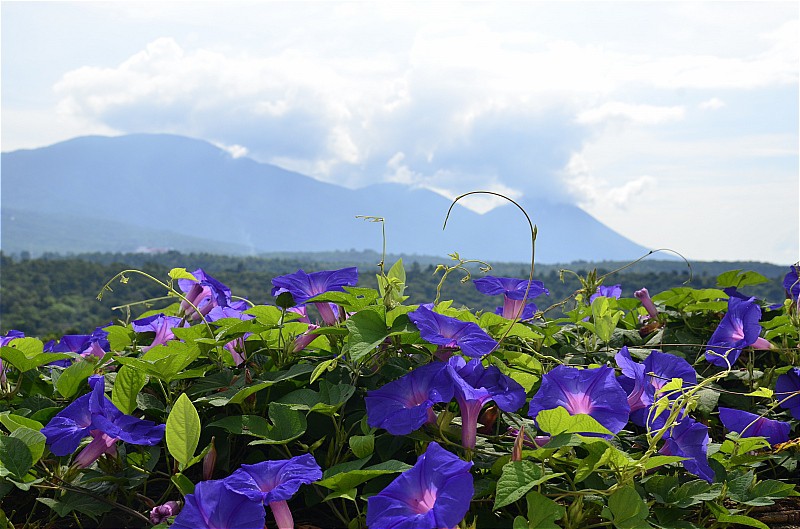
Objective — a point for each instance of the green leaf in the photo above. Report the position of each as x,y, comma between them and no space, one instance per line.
268,379
183,430
741,520
12,422
74,377
761,392
347,480
738,279
165,362
74,501
558,420
692,493
181,273
15,456
184,484
367,330
287,425
127,385
362,445
118,337
33,439
628,509
542,511
327,365
244,425
27,353
517,479
765,491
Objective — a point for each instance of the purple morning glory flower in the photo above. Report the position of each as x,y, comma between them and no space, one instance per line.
405,404
435,493
204,292
791,283
514,293
303,286
443,330
594,392
161,325
273,483
689,438
738,329
613,291
527,313
215,506
748,424
4,341
787,391
94,414
642,386
476,385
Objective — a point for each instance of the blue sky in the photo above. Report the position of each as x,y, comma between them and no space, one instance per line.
676,123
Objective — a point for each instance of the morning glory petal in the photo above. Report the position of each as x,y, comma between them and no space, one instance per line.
214,506
788,384
749,424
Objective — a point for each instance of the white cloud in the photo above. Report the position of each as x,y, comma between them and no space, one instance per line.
236,151
712,104
643,114
590,191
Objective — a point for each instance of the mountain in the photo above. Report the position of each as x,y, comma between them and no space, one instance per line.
155,190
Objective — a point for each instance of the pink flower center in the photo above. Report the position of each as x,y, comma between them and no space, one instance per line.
424,504
579,403
738,332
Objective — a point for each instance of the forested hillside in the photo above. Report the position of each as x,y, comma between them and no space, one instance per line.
56,295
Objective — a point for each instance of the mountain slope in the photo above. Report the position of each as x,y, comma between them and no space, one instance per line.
187,187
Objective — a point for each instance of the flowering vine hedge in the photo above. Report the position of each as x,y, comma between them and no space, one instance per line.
341,406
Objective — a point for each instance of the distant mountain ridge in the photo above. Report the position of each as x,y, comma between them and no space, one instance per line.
158,190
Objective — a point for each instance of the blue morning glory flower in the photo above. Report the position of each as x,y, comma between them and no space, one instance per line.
204,292
748,424
514,294
738,329
433,494
643,380
94,414
161,325
273,483
405,404
303,286
613,291
443,330
215,506
787,391
689,438
594,392
476,385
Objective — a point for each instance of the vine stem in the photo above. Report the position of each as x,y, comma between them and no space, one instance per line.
533,229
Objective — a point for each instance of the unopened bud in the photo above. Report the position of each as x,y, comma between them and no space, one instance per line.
210,461
516,452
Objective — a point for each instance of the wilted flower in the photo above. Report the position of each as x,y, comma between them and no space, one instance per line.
643,381
435,493
161,325
95,344
476,385
787,391
738,329
594,392
94,414
274,482
689,438
405,404
303,286
443,330
644,297
748,424
215,506
204,292
514,294
160,513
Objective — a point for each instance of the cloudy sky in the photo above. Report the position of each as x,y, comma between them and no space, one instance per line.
676,123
